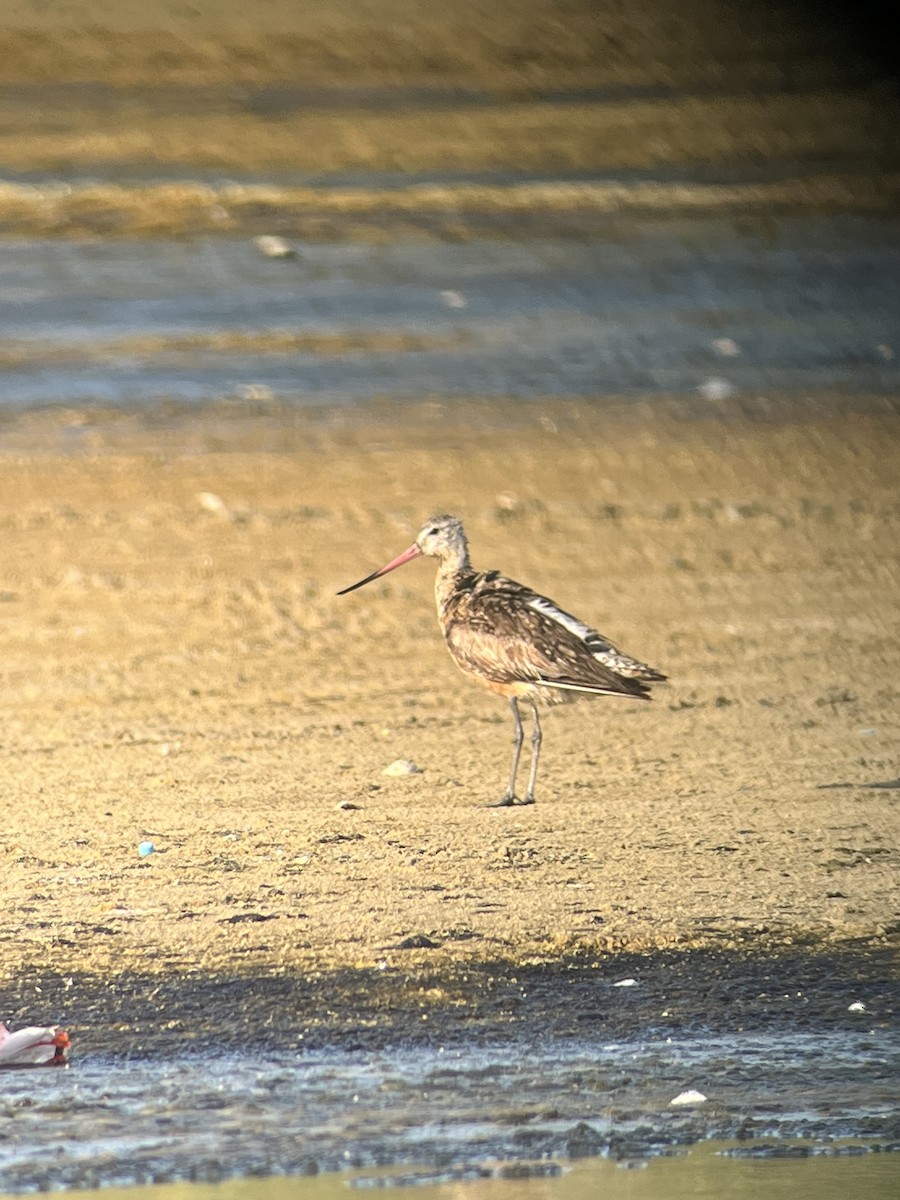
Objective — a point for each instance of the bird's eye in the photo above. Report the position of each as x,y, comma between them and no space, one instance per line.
432,531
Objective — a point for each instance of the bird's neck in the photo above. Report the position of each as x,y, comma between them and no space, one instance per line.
448,573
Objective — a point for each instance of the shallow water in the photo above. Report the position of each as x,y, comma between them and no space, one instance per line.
702,305
447,1112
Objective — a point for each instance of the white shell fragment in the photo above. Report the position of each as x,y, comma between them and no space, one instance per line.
626,983
213,504
400,767
716,389
274,247
691,1096
857,1006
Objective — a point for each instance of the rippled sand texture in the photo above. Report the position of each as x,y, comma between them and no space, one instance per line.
177,668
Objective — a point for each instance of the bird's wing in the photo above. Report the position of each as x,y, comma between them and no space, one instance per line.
598,646
507,633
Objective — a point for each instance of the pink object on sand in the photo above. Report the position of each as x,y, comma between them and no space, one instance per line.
37,1046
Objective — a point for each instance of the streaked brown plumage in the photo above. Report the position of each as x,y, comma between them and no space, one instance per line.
516,642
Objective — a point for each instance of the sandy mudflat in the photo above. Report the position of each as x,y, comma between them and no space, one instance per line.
177,668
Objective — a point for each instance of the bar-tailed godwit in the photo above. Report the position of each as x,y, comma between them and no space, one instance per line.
516,642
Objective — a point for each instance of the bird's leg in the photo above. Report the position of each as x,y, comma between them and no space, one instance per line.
518,737
536,737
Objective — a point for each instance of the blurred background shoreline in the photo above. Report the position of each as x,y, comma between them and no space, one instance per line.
111,98
558,199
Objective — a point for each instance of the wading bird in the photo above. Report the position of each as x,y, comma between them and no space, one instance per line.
516,642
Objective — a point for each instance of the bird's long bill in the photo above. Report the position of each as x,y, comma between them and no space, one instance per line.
405,557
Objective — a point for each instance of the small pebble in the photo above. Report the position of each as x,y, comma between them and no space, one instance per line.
400,767
417,941
145,848
689,1097
626,983
347,805
857,1006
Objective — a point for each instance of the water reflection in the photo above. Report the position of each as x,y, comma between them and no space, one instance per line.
707,1172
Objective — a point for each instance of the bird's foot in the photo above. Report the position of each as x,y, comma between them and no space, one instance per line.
506,801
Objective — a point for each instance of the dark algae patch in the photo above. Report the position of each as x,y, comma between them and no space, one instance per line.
680,994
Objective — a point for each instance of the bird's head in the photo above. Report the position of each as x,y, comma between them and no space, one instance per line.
441,537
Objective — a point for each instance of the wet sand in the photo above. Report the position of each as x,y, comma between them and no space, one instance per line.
177,669
456,212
